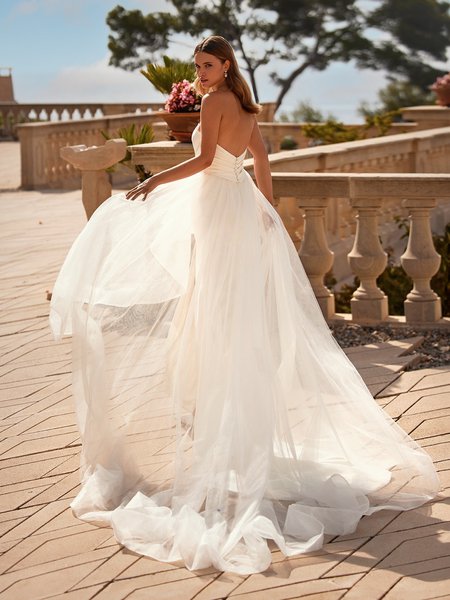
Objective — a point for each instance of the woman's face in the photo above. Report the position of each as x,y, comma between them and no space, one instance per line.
210,70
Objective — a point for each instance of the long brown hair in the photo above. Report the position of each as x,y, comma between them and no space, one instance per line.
221,49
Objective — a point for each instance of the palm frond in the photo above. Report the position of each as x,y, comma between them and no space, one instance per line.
173,70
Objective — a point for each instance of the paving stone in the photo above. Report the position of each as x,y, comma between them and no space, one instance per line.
46,552
18,549
58,489
299,590
404,383
221,587
294,570
373,586
190,589
37,520
111,569
429,586
56,548
48,584
432,402
117,590
432,380
436,511
81,594
20,497
371,553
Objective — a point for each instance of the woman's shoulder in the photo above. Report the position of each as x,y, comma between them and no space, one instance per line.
218,98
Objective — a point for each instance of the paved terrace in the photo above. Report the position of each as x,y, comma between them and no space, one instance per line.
47,553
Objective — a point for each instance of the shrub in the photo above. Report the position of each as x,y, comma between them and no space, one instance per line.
133,136
288,143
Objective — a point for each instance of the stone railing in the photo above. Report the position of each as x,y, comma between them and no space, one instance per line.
274,133
41,164
424,151
316,195
13,114
417,194
427,117
419,151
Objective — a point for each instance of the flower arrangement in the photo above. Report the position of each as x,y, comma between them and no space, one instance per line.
183,98
441,87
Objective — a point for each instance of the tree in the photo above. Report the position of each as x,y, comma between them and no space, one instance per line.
396,95
304,112
419,33
300,35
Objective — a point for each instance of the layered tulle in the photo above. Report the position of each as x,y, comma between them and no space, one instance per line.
191,313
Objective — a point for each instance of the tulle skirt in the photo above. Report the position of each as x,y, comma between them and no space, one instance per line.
216,410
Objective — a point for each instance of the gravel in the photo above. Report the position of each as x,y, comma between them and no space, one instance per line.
434,350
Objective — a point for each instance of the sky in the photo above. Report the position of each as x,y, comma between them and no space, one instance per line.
58,52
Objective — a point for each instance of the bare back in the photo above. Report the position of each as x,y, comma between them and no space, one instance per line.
236,125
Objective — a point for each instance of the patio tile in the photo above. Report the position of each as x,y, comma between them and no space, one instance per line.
47,552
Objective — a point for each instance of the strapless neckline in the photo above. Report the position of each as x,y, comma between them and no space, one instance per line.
221,147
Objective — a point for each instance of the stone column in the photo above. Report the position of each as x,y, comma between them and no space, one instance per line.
421,261
368,260
314,253
92,162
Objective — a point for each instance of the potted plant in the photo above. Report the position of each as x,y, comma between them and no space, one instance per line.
182,108
133,136
441,87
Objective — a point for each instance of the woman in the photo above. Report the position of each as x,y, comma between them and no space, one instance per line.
192,309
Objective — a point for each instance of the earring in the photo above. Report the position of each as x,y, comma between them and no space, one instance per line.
225,74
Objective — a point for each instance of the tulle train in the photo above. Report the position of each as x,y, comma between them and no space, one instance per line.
216,410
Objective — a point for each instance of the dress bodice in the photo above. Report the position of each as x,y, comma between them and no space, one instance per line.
225,164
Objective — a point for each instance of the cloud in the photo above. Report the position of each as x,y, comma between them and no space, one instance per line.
98,82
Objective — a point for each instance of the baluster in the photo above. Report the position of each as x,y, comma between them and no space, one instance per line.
368,260
292,219
421,261
316,257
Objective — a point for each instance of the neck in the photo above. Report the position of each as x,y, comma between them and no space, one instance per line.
220,87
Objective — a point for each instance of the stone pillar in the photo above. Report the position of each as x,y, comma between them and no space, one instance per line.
368,260
92,162
287,208
421,261
314,253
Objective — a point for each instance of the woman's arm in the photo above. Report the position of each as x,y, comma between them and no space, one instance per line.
210,117
261,161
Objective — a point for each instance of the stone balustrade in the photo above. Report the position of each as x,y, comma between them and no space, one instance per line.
41,164
14,113
419,151
274,133
417,193
427,117
422,151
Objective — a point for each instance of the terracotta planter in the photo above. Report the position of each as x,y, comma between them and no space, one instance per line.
443,96
181,125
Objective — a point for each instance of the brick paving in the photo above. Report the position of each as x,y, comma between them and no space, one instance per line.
47,553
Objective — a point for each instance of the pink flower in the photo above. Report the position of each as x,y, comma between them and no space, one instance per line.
441,83
183,98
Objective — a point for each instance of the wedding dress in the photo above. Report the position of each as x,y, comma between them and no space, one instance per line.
192,310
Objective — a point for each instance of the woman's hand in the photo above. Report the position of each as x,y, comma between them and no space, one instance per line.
142,189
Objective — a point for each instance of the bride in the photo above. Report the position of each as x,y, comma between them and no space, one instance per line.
216,410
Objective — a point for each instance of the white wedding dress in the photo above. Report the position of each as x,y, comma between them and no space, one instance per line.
191,310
